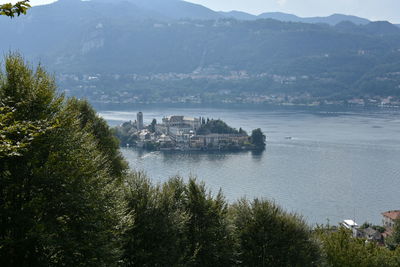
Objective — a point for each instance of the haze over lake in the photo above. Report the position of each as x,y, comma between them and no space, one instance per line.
336,165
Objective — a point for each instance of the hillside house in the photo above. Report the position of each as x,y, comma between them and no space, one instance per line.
390,217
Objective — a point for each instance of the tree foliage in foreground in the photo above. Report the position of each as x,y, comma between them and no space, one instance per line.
60,195
156,237
15,136
393,241
268,236
181,224
12,10
396,233
341,249
176,224
106,142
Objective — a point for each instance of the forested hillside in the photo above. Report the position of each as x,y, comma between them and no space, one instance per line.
145,54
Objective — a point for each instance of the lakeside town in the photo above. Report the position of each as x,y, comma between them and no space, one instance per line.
182,133
381,234
89,86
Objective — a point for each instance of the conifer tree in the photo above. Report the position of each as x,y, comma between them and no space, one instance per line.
60,202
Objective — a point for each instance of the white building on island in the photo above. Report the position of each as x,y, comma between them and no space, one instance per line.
182,122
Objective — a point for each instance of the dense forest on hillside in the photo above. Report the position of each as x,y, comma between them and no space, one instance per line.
142,56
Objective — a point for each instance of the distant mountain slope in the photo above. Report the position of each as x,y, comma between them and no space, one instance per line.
172,9
158,54
178,9
331,20
335,19
280,16
381,27
238,15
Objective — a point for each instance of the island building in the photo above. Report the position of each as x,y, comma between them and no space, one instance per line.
182,122
216,140
181,133
178,126
140,121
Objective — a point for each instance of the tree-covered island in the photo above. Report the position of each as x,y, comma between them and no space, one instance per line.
183,133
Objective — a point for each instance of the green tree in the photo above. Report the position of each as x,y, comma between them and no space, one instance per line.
393,241
124,133
396,232
152,127
267,236
60,202
341,249
156,238
210,241
241,131
16,136
216,127
107,143
12,10
176,224
258,139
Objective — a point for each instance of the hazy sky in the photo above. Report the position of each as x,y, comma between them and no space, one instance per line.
371,9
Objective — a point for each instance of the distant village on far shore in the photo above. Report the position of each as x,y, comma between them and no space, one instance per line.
181,133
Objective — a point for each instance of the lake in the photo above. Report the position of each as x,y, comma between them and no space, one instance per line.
337,165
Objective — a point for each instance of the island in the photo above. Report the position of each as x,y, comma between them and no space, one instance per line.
181,133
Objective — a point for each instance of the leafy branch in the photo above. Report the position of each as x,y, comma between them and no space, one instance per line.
17,9
16,136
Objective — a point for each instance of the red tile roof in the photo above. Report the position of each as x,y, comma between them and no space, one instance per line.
393,214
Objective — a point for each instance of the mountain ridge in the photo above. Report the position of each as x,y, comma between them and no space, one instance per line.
285,17
178,9
157,56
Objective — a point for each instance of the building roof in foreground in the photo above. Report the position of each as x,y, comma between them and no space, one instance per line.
350,223
393,214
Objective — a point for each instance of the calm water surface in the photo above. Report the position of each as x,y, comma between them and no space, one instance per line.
338,165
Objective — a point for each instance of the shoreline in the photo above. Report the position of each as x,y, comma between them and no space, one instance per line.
194,150
305,108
